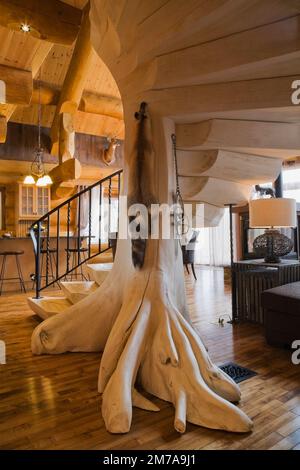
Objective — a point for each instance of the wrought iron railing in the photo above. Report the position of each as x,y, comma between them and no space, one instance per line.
75,231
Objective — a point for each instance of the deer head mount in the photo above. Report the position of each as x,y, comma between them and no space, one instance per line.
109,154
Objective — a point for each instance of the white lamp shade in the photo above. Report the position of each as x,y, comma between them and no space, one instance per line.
29,179
47,180
272,212
41,182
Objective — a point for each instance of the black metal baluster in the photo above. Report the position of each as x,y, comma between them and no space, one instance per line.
100,216
37,234
68,237
57,243
78,230
109,212
47,251
90,220
119,191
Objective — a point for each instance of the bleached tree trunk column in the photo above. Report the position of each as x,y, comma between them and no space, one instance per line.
139,317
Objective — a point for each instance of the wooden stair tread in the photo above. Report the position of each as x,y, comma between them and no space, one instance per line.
78,290
105,257
46,307
99,271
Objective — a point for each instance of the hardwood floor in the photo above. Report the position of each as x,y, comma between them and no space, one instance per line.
51,402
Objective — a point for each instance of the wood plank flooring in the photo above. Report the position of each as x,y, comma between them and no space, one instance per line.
51,402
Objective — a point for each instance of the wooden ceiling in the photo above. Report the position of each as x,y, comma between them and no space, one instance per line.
50,62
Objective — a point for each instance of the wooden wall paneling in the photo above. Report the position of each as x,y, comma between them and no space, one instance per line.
21,143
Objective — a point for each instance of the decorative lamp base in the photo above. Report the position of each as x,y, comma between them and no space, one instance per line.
271,245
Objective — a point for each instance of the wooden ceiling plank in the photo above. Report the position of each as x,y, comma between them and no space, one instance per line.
50,20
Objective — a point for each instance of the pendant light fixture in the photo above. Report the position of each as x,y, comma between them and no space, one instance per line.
38,173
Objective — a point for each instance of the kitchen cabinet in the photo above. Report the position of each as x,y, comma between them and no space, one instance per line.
34,201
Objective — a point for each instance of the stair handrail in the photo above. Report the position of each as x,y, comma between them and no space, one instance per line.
52,254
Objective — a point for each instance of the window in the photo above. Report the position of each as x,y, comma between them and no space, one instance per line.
291,183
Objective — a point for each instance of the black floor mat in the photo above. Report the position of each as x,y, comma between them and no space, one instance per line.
236,372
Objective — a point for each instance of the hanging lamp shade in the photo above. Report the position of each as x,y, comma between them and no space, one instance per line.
47,180
41,182
29,179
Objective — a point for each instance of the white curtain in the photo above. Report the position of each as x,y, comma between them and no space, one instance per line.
104,216
213,245
84,214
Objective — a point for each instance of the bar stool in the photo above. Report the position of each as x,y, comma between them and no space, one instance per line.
74,253
16,254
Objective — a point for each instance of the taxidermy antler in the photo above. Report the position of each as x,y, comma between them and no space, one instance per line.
109,154
140,185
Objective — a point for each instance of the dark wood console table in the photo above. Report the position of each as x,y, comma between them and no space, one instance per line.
251,278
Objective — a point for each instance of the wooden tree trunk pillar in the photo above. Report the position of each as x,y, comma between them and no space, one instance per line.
139,317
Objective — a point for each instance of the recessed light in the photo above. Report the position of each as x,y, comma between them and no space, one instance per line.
25,28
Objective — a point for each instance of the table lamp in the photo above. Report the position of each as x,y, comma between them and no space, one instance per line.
272,213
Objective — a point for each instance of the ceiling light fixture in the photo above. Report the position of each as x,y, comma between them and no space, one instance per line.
25,28
38,174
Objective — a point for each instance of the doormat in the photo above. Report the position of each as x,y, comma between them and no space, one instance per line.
236,372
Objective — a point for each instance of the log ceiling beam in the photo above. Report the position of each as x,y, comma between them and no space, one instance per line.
94,103
263,138
190,101
18,84
101,104
200,22
3,129
7,109
203,189
75,80
232,166
231,58
50,20
70,170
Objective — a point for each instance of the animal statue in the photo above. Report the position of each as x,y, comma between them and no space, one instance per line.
264,191
109,154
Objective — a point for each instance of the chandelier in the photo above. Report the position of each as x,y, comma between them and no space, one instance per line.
38,174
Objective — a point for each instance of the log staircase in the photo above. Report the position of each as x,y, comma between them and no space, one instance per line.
231,102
